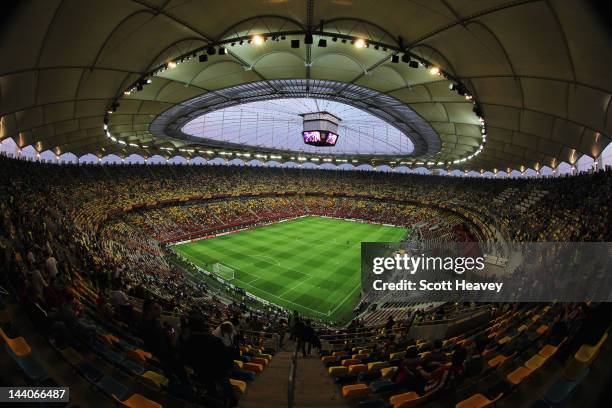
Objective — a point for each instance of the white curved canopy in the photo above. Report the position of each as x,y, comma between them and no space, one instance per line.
540,69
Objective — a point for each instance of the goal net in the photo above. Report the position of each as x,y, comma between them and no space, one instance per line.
223,271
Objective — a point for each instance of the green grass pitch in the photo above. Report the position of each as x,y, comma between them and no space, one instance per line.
310,264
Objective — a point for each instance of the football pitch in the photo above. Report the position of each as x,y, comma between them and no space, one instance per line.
310,264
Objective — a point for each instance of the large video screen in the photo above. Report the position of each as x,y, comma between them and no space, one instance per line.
319,138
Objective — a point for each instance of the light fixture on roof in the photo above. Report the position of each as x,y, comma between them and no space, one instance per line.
210,50
395,58
295,43
308,39
322,43
406,59
360,43
221,51
203,57
434,71
171,65
258,39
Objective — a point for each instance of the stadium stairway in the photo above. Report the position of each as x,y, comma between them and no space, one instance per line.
314,387
270,388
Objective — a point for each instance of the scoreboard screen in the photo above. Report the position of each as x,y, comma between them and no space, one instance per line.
319,138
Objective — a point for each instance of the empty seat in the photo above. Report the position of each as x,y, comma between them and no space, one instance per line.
587,353
497,360
405,400
339,353
155,378
357,368
139,354
397,356
138,401
238,364
242,375
477,401
89,371
338,370
28,365
72,356
261,361
19,346
327,359
239,386
375,366
254,367
548,351
387,371
518,376
562,389
349,362
535,362
112,387
355,391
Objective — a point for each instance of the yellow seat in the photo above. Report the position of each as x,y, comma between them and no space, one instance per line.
238,364
239,386
586,354
337,370
339,353
355,391
19,346
138,401
477,401
256,368
387,372
266,356
505,340
518,376
535,362
364,351
156,379
522,328
405,400
377,365
397,356
357,368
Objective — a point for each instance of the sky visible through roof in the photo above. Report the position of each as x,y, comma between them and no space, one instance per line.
277,124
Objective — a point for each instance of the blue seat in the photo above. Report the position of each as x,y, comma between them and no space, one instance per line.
345,379
132,367
113,356
90,372
374,403
382,386
369,376
29,366
242,375
558,394
111,387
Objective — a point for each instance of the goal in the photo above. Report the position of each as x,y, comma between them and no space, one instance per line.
223,271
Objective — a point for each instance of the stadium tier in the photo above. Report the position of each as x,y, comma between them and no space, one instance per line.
305,204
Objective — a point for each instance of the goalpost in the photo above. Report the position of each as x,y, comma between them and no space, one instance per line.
223,271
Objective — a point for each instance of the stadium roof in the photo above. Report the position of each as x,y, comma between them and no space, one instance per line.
537,71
